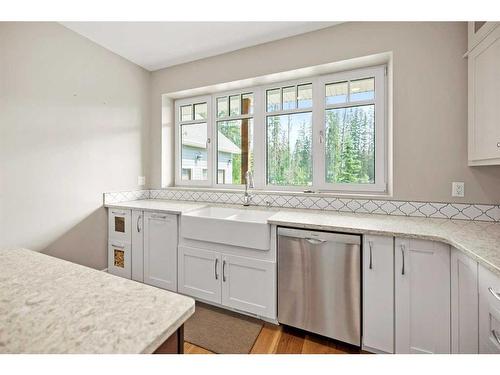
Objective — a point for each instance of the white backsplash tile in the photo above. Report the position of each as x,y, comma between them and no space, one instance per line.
461,211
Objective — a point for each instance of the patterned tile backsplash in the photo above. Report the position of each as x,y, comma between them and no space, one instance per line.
461,211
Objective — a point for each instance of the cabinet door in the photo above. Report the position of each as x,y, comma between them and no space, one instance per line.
137,246
489,312
160,250
119,259
119,225
464,304
378,293
422,296
200,273
249,285
484,91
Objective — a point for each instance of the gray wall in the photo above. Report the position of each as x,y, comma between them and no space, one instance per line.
74,123
430,99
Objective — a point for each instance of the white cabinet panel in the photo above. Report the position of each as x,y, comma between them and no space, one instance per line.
137,246
119,225
119,259
464,304
484,93
489,312
249,285
160,250
200,273
422,296
378,293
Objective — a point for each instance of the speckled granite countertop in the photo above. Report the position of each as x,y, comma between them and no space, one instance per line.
48,305
158,205
480,240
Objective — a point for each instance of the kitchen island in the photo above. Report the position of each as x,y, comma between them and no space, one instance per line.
48,305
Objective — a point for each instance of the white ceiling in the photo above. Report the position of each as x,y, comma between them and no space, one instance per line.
157,45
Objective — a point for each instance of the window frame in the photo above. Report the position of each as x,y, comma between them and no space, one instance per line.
380,184
280,85
247,90
318,148
178,139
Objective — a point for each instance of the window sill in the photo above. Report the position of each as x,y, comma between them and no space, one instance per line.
369,195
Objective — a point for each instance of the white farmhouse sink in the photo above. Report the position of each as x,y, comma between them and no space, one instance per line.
233,226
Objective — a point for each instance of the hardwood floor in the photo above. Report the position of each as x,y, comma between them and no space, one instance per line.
286,340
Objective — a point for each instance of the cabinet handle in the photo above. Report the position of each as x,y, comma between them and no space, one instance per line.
498,144
118,246
118,213
495,335
370,244
403,255
158,216
215,268
495,294
321,137
224,270
138,222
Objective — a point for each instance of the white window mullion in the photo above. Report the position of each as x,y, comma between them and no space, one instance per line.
260,139
319,136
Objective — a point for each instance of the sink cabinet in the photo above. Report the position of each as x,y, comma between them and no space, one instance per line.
237,282
160,250
422,296
200,273
249,285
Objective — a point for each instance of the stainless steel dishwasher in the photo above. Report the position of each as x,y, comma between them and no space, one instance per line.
319,283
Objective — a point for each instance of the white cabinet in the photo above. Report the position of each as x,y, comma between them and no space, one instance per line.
477,31
249,285
137,246
240,283
422,296
483,98
464,303
160,250
378,294
489,311
119,259
119,225
119,243
200,273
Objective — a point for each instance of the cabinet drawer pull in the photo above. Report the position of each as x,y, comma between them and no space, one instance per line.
370,244
498,144
495,335
138,223
159,216
118,246
403,255
495,294
224,270
118,213
216,264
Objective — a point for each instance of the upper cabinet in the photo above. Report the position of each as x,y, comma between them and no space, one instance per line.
484,93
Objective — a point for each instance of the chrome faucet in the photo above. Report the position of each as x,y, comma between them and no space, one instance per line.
247,198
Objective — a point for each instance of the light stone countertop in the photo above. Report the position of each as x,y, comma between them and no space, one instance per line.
478,239
159,205
49,305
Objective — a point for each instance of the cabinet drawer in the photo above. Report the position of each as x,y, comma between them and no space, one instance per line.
119,225
489,311
119,259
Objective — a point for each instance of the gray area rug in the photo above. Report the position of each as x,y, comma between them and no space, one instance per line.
221,331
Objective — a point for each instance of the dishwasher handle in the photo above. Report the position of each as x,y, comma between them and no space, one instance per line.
316,237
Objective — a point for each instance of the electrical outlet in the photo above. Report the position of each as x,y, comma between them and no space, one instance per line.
457,189
141,180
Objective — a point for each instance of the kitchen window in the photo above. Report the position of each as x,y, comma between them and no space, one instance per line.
323,133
